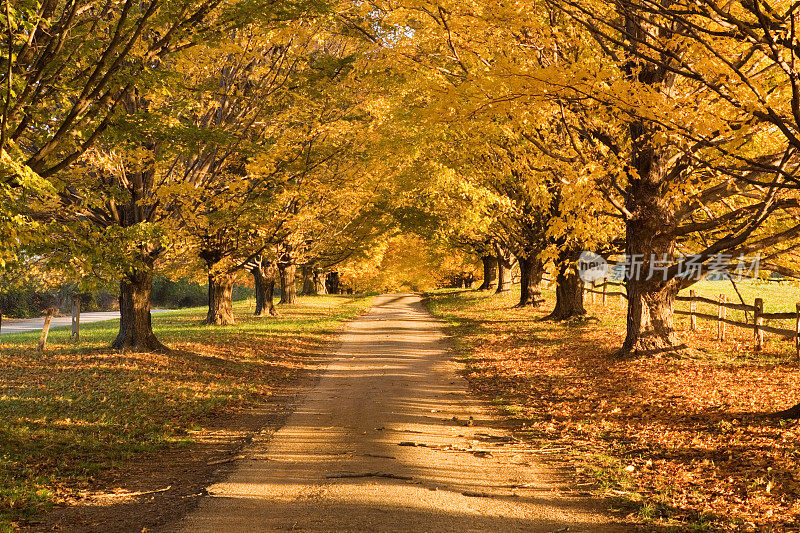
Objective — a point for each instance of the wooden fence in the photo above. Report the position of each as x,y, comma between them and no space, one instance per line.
721,318
602,290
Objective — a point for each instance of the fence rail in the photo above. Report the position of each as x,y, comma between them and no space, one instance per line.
605,293
726,305
722,305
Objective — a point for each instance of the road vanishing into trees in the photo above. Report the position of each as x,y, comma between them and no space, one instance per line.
389,439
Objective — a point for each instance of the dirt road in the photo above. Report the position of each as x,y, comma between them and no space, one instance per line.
392,412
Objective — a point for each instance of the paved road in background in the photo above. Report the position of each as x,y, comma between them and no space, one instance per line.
22,325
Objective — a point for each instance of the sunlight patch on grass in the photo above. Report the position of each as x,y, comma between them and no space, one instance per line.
77,408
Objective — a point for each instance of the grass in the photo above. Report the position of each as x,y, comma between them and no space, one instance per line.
676,443
778,297
76,409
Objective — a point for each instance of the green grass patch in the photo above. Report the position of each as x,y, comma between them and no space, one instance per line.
79,408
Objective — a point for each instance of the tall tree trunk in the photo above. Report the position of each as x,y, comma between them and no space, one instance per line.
489,273
308,279
503,275
532,272
259,290
332,282
220,299
504,265
503,278
264,281
649,235
569,293
135,323
650,227
650,329
319,281
288,290
269,297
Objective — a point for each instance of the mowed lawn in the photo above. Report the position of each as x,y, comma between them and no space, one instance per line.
76,409
680,443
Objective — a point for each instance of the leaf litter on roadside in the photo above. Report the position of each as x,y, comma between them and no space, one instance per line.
677,441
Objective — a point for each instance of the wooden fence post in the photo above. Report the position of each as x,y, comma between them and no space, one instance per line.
721,314
76,318
605,287
45,330
591,292
797,332
692,311
758,320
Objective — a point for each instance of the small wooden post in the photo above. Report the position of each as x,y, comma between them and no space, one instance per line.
591,292
605,287
797,331
758,321
76,318
692,311
721,313
45,330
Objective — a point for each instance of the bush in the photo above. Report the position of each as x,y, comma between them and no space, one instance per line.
167,294
24,303
170,294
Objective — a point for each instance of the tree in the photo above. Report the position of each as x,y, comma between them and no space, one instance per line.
125,180
716,165
68,68
264,275
606,79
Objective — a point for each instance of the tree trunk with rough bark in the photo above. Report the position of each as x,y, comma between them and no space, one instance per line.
264,281
649,235
503,275
489,273
651,222
308,280
319,281
469,279
258,290
220,299
332,283
288,290
650,328
569,295
135,324
532,272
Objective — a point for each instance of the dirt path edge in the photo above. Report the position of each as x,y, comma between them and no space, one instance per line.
150,490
